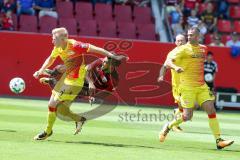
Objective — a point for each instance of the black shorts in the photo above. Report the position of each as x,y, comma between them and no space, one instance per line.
210,85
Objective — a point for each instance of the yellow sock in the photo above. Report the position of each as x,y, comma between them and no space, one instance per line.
51,119
214,125
175,122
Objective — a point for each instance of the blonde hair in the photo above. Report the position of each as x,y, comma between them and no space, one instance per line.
60,32
180,36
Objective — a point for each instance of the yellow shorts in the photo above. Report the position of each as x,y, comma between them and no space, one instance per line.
176,95
67,89
190,95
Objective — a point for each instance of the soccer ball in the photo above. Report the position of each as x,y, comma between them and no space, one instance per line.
208,77
17,85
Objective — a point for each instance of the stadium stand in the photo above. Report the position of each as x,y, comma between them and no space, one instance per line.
46,24
70,24
107,29
127,30
28,23
85,18
87,28
65,9
84,11
142,15
122,13
103,12
146,31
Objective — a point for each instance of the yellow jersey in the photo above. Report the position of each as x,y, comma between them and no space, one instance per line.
72,56
191,59
174,74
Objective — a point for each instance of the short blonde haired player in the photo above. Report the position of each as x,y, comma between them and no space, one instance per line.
189,61
72,54
180,40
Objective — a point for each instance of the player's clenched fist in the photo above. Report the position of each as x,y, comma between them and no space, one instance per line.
37,74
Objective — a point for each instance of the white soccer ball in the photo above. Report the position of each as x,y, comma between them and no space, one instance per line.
208,77
17,85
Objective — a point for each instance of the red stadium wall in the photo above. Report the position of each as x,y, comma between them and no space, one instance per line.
22,54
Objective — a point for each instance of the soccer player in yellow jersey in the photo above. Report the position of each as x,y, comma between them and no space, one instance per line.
72,54
180,40
189,62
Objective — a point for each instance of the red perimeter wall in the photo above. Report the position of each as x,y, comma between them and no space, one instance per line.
22,54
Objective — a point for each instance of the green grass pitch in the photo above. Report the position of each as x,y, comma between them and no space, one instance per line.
110,137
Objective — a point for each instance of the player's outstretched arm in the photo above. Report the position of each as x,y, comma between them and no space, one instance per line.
162,73
104,52
48,62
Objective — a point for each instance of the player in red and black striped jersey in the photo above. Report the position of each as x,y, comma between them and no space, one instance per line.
101,75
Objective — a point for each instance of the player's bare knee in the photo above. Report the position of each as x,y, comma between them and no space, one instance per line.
210,110
209,107
53,103
187,114
186,118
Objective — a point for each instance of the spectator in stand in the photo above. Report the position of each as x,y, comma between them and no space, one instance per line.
217,41
125,2
203,30
222,9
7,22
170,5
8,5
176,20
45,8
139,3
193,19
176,14
178,28
25,7
121,2
202,27
103,1
142,3
190,5
209,18
234,41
